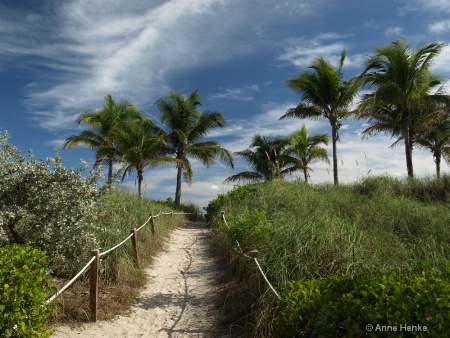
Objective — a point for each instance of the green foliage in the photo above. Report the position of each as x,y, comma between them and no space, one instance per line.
424,190
239,193
342,306
169,202
24,286
318,231
193,211
47,206
249,227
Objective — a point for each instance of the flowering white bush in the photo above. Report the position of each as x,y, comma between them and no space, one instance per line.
47,206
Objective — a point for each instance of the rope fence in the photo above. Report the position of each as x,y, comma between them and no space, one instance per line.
94,263
48,301
252,255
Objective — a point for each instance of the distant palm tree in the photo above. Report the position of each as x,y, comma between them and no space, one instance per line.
102,124
138,145
305,149
265,156
324,94
186,128
402,82
436,138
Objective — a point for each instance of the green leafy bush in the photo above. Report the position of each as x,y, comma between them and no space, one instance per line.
47,206
23,290
239,193
389,301
249,227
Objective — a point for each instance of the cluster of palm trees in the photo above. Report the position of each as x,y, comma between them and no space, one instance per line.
274,157
408,102
119,132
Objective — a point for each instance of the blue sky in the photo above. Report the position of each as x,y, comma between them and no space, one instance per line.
60,58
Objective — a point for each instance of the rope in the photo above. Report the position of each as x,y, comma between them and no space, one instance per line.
104,253
144,223
254,258
265,278
115,247
70,283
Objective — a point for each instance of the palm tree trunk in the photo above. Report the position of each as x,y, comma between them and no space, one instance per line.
110,169
334,140
305,172
437,160
178,189
140,179
408,150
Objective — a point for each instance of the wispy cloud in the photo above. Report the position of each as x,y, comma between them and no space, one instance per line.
437,6
245,93
83,50
439,27
393,31
301,51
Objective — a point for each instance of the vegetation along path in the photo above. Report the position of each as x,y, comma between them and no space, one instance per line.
180,298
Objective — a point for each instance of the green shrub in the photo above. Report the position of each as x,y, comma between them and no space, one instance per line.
249,227
47,206
389,301
237,194
23,290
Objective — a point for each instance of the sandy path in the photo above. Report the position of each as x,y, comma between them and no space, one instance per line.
179,299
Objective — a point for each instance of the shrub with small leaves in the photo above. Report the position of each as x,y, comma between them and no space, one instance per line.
250,227
47,206
24,287
344,306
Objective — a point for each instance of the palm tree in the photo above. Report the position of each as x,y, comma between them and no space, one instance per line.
187,127
436,139
324,94
305,149
138,145
102,124
402,81
266,158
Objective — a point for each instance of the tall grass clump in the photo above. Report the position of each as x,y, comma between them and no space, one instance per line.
305,233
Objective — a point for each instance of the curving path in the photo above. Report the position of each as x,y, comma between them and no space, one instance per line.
179,300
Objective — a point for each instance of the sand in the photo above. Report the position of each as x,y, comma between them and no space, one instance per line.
179,300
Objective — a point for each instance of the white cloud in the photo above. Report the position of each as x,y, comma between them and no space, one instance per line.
302,52
129,48
441,63
393,31
439,27
437,6
245,93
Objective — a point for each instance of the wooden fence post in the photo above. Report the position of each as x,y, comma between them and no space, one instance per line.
135,247
93,290
152,224
172,213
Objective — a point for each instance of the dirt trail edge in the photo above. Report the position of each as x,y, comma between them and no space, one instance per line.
180,298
